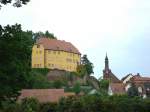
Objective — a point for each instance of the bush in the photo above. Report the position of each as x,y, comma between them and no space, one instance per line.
30,105
10,106
48,107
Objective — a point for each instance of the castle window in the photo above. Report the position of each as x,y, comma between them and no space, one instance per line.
58,52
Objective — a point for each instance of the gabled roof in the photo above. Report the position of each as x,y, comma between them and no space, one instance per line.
44,95
117,88
114,79
54,44
126,77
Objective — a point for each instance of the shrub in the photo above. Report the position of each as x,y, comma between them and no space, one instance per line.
30,105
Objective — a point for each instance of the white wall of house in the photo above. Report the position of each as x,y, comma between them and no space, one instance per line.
110,90
128,78
127,87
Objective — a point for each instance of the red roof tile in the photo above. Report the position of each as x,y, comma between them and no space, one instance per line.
140,79
54,44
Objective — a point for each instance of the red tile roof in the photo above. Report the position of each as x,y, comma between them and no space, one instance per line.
137,78
117,88
54,44
44,95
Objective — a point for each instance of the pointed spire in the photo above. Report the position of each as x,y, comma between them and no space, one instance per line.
106,62
106,58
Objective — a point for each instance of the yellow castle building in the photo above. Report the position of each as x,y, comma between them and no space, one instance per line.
55,54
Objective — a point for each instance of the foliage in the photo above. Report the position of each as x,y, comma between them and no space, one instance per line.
57,84
87,103
81,70
39,80
45,34
8,105
15,53
103,84
30,105
48,107
86,65
42,71
16,3
77,88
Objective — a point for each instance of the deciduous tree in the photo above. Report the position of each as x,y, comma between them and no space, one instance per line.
15,59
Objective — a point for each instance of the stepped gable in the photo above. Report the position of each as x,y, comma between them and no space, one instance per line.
107,74
54,44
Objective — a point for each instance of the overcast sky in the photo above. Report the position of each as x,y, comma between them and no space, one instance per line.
119,27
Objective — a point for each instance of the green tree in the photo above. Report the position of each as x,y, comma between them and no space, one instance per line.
16,3
77,88
87,64
45,34
103,84
15,59
81,70
57,84
30,105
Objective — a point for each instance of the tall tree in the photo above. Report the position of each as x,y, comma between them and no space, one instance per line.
16,3
15,58
88,65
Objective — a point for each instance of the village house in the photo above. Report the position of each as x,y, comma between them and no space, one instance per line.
141,83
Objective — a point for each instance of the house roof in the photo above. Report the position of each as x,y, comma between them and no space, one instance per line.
117,88
44,95
126,77
139,79
54,44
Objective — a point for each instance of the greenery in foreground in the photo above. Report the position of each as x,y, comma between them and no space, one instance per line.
89,103
15,62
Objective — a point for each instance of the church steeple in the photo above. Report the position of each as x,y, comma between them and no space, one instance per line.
106,63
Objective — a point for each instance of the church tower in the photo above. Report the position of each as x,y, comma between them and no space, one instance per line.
107,74
106,71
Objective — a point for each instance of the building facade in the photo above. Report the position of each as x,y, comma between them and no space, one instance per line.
55,54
